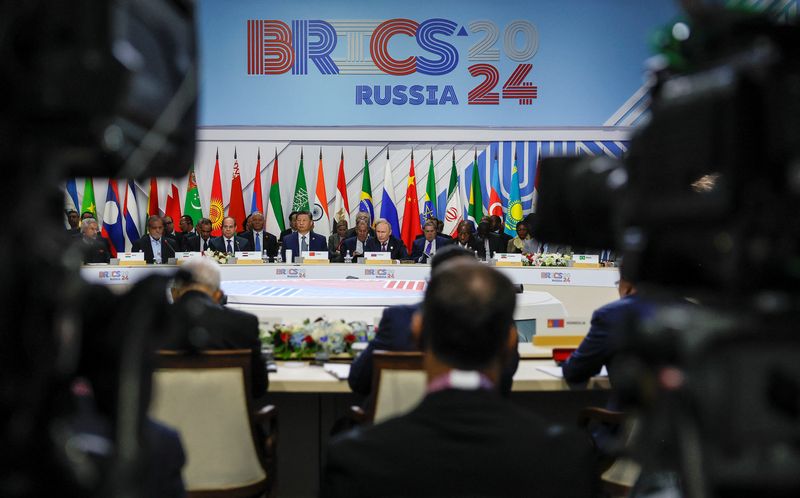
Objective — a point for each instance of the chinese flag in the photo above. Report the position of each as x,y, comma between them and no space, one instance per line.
215,207
411,227
236,205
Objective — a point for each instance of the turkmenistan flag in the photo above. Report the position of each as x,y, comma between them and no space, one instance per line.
88,203
192,206
475,209
300,200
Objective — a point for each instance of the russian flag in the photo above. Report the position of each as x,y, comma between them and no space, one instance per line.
112,220
130,212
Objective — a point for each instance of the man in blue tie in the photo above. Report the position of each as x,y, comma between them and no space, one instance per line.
229,242
304,239
424,248
259,239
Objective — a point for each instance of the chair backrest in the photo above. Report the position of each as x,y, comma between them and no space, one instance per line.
206,398
398,384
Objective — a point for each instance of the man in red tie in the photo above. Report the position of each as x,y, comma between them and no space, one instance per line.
385,242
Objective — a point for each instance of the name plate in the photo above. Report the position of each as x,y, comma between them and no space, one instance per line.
183,256
248,258
131,258
377,258
508,259
315,257
585,261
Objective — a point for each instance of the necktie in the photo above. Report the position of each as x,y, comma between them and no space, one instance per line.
428,248
486,249
304,246
205,245
383,247
257,237
230,249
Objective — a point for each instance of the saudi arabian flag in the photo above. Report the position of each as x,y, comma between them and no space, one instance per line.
88,203
192,205
300,201
475,209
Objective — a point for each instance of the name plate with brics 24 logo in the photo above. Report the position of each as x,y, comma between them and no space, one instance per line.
315,257
508,259
378,258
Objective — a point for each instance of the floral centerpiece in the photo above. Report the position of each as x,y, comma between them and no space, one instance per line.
546,259
220,257
309,338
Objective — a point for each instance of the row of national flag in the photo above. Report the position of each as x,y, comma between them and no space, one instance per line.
122,225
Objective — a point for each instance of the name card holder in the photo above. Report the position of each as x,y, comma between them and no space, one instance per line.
585,261
131,259
248,258
183,257
315,257
378,258
507,259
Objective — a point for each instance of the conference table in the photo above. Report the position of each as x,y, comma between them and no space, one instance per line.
311,401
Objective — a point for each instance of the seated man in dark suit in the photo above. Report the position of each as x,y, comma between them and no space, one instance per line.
356,245
498,228
463,439
394,334
465,237
259,239
291,228
360,216
424,248
304,239
384,241
74,220
95,247
156,248
487,242
229,242
204,323
602,341
200,241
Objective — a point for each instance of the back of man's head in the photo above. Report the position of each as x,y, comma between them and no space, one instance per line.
467,315
198,274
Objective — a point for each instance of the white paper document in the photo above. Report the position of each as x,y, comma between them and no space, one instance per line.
339,370
555,371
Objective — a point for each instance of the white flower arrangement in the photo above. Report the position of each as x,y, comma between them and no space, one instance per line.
546,259
219,256
299,340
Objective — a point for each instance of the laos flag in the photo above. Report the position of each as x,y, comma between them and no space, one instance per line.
112,220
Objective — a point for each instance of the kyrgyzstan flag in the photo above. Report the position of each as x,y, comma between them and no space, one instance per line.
112,220
236,205
216,210
411,226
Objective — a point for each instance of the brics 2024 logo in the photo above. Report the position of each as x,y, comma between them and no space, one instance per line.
274,48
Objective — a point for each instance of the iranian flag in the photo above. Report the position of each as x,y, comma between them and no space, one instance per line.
275,222
454,213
